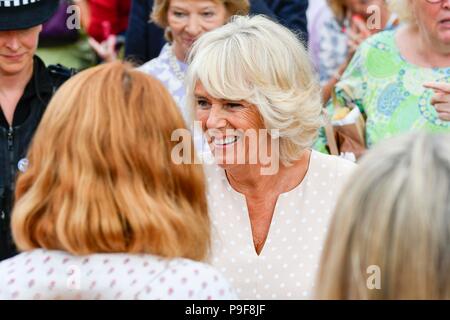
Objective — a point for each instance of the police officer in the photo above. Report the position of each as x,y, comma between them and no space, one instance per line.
26,86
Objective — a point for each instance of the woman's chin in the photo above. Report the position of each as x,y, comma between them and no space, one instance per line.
224,161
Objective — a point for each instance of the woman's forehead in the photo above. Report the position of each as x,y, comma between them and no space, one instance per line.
196,4
201,91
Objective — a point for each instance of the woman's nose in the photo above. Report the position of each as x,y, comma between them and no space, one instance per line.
216,118
194,27
12,43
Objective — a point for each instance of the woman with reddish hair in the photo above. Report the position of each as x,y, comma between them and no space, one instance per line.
103,201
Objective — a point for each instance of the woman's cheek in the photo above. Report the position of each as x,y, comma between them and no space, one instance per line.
202,117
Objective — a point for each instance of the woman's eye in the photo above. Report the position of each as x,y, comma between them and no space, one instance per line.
233,105
179,14
203,104
208,14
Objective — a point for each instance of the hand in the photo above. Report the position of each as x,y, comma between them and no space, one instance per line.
441,98
105,50
358,33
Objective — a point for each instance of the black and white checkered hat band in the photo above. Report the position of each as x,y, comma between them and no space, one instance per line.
16,3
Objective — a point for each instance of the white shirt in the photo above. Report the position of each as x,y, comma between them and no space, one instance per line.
288,263
42,274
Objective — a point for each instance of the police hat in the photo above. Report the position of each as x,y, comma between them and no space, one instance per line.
24,14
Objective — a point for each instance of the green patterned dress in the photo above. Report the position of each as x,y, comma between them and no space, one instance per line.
389,91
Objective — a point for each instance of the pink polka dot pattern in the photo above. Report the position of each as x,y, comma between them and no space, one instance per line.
42,274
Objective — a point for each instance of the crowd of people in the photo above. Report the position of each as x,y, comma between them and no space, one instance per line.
186,149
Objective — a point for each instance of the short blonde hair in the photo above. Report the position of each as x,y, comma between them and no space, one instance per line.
260,61
161,8
101,177
403,9
394,214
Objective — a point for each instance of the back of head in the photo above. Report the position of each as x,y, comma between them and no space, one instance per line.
391,231
101,178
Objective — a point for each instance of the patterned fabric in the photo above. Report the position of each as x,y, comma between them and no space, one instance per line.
288,263
160,68
332,49
318,14
389,91
41,274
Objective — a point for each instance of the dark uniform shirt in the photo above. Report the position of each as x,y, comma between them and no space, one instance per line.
15,140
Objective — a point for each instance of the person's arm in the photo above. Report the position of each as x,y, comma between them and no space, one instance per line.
328,88
356,36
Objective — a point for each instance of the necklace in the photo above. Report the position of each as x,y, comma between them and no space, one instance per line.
174,65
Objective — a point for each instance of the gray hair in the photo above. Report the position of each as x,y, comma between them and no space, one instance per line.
395,214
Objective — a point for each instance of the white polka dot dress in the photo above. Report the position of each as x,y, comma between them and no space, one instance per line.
288,263
41,274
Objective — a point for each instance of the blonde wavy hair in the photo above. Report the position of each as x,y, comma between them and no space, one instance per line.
101,178
260,61
393,214
161,8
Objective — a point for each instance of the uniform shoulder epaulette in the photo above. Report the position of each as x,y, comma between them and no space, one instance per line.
61,71
60,74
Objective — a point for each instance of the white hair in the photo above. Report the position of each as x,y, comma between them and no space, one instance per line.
260,61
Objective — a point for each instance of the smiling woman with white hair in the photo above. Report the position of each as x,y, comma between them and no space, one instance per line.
252,87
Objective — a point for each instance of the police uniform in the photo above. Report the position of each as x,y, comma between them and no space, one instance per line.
15,138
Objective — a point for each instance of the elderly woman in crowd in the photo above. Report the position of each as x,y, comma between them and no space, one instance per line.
184,22
396,248
399,79
252,79
102,212
145,40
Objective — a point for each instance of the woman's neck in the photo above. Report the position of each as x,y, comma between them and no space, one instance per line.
421,50
180,54
248,180
437,54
